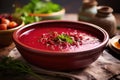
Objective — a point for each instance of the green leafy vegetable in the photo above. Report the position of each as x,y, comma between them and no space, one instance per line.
36,6
11,67
66,38
29,19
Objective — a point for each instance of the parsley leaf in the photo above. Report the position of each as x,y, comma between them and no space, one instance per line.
65,38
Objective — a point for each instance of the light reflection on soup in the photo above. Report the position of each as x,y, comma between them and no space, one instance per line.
59,39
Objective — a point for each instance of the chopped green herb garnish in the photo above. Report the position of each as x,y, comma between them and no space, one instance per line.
66,38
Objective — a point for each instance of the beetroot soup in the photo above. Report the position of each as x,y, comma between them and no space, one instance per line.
59,39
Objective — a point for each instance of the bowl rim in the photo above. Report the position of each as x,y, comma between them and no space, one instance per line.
62,11
15,39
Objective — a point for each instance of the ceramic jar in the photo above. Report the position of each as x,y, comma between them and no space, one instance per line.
105,19
87,10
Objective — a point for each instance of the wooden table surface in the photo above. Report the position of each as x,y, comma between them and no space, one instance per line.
106,67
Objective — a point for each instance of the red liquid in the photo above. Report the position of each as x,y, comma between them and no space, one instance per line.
33,37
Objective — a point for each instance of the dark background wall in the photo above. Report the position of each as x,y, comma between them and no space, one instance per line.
71,6
115,4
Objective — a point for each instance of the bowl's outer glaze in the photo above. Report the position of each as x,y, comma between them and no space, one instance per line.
6,35
62,61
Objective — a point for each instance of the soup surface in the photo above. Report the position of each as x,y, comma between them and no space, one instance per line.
59,39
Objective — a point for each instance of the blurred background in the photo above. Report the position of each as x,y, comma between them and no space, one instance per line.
71,6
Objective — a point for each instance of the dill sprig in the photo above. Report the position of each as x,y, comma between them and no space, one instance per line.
11,67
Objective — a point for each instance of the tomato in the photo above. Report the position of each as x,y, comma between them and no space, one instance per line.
12,24
3,26
5,21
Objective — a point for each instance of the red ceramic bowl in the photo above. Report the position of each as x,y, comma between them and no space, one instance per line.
61,61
